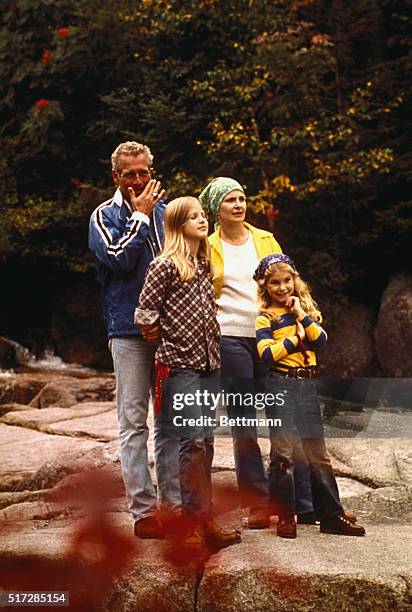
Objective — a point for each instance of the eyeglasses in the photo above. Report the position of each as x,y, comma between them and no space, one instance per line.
131,175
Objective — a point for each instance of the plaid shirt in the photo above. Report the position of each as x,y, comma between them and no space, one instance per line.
189,329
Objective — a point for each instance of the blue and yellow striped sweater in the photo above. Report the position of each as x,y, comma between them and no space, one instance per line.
277,341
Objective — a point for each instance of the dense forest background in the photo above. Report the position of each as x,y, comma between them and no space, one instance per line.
305,102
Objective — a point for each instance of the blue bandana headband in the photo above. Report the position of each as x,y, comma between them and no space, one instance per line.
267,261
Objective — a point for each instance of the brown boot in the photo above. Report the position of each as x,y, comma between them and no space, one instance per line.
217,537
286,527
340,525
149,529
311,518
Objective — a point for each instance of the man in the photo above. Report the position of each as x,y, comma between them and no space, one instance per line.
125,234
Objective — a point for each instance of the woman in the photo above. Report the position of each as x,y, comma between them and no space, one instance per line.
236,249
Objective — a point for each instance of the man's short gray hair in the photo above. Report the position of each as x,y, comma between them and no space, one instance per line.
130,148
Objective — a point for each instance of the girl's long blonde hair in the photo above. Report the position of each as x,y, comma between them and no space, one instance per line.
175,247
302,291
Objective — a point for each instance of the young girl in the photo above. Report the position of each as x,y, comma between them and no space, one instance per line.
178,294
288,331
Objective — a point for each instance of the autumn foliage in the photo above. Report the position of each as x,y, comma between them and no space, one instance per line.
304,102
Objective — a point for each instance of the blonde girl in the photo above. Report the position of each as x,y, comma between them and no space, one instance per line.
288,332
282,293
178,296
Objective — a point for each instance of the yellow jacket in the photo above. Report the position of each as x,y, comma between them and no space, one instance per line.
264,243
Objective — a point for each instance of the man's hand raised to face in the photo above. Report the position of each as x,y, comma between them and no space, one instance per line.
147,200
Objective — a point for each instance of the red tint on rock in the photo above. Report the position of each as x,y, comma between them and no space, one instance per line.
99,553
176,554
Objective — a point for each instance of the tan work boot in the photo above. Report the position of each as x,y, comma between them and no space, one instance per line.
217,537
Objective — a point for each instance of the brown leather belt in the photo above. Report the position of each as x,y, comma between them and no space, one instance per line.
303,372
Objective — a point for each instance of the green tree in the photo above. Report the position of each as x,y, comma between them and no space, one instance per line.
305,102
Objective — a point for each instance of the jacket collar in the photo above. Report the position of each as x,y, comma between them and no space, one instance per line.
156,227
215,238
118,199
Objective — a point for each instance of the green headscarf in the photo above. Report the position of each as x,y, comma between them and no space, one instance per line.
213,194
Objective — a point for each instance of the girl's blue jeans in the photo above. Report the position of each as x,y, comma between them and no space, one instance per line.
301,411
240,360
195,447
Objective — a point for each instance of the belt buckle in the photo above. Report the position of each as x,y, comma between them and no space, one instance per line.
302,373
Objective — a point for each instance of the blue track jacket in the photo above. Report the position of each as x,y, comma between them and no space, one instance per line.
123,243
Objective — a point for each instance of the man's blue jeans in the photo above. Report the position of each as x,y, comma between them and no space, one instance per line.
240,360
134,369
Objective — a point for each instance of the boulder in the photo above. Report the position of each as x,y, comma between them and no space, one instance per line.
35,460
393,331
385,504
66,392
152,583
50,389
314,572
13,407
375,462
350,350
77,420
102,426
106,570
55,536
32,511
20,389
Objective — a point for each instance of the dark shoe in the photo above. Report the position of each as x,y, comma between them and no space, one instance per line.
340,525
216,537
286,528
259,517
149,529
311,518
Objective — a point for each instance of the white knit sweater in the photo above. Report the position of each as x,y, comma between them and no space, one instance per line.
237,307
